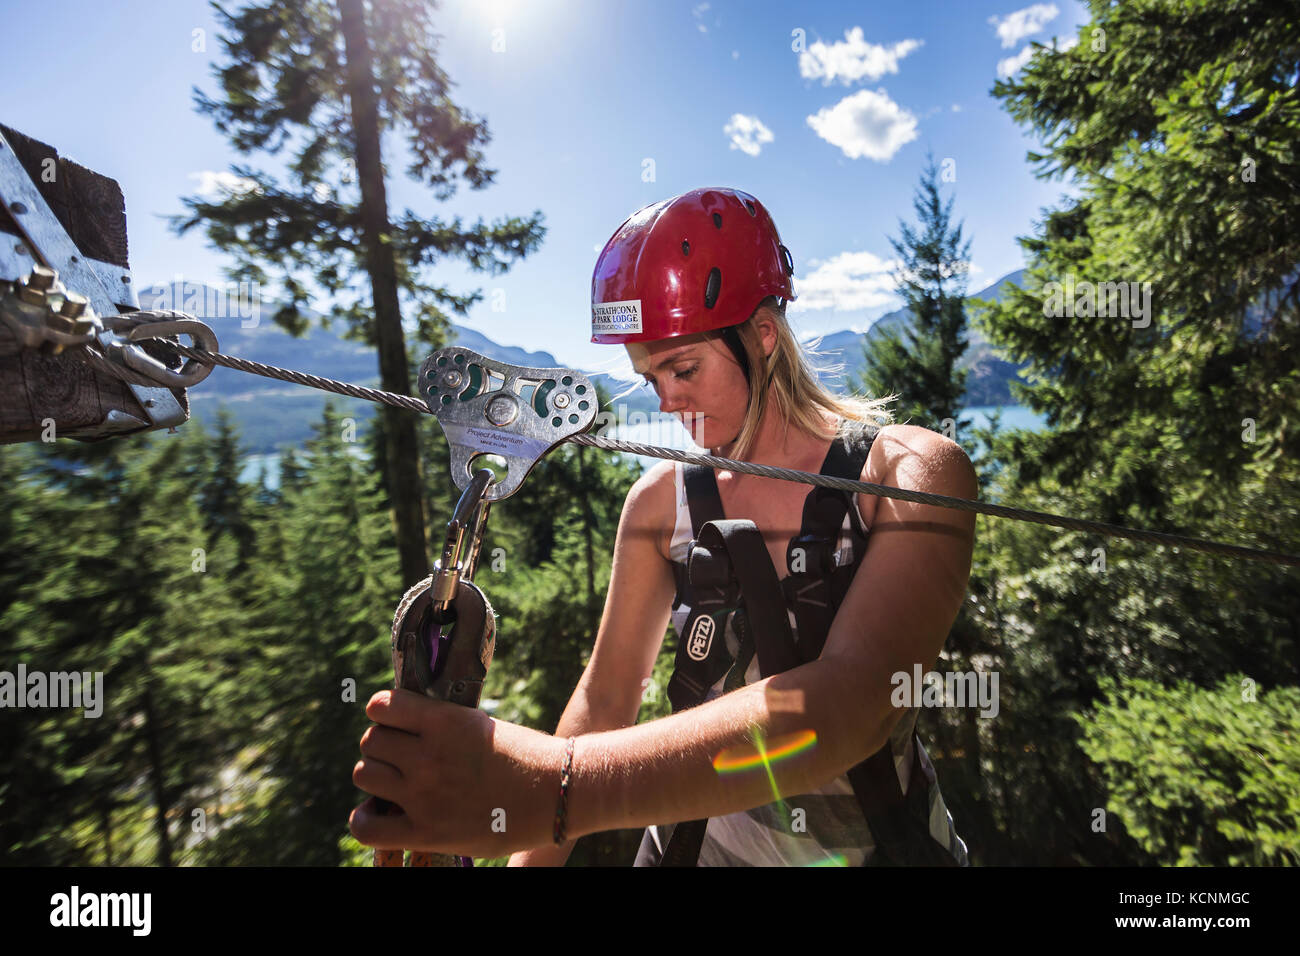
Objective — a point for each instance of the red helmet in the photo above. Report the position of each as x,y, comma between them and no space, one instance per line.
702,261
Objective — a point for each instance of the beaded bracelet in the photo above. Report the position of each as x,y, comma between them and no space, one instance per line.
562,807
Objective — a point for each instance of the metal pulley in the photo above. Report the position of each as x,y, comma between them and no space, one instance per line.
487,407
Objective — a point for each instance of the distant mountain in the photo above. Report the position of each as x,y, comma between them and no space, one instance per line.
989,379
478,342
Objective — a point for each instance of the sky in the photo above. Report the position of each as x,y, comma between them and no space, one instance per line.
823,110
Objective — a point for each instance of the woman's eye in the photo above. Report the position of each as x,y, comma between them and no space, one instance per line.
649,382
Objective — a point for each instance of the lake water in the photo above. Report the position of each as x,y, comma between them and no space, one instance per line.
670,434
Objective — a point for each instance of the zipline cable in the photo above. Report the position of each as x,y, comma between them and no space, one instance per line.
713,461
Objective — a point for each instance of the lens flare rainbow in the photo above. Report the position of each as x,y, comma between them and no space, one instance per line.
744,757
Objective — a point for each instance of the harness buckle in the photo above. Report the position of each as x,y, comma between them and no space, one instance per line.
812,554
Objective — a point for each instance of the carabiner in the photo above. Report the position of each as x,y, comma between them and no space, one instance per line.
456,562
138,360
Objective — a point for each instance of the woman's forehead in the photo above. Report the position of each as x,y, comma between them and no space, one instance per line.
648,356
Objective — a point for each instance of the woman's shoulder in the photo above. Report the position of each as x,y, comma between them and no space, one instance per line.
651,502
920,459
657,483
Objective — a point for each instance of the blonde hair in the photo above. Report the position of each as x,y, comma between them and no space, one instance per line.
789,378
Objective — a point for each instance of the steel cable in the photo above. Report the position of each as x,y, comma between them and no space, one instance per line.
713,461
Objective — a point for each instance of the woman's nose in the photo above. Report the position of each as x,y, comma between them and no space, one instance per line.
670,398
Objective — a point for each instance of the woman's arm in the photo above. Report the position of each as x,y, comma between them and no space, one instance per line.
897,613
608,695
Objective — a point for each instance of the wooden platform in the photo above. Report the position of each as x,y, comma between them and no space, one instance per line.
36,388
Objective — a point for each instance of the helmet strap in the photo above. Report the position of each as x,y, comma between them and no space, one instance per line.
731,336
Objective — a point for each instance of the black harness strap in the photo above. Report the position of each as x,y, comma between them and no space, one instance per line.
730,554
733,550
895,818
728,559
693,676
701,661
702,493
815,586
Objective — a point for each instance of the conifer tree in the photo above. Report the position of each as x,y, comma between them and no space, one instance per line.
128,590
920,364
322,594
329,81
224,499
1170,406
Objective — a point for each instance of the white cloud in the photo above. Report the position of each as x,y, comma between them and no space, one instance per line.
747,133
847,282
215,185
852,59
1011,65
865,124
698,13
956,107
1014,27
735,54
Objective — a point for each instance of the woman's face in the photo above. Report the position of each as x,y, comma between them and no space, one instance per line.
699,381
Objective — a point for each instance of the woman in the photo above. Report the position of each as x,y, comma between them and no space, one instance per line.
695,288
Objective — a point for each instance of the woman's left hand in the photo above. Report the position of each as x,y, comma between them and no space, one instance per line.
465,783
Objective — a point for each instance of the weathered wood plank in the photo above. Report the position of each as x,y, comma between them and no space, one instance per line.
34,386
90,206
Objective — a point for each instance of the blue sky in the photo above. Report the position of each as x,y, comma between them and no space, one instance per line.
824,111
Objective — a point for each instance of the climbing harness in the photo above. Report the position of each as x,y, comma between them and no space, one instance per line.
728,578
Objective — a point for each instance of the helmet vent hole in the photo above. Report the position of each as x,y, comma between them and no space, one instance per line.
712,287
749,208
789,261
717,219
686,247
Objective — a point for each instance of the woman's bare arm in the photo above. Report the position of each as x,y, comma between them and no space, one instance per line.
608,695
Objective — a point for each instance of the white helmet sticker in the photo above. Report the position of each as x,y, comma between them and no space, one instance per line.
616,318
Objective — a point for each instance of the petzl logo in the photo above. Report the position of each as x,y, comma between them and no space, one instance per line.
701,637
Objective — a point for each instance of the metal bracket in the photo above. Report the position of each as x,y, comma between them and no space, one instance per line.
487,407
47,241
